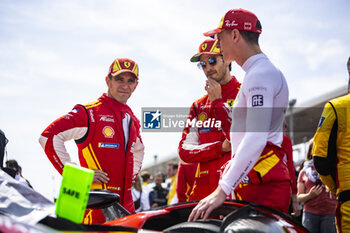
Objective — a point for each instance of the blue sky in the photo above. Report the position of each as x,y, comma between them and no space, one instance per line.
55,54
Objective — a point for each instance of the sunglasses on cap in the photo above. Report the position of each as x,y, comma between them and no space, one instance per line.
211,61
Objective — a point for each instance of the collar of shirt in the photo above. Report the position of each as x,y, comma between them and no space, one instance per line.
251,60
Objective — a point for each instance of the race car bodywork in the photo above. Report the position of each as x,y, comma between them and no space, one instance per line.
232,216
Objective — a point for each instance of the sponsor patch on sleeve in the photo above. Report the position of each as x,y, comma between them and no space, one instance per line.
70,114
321,121
257,100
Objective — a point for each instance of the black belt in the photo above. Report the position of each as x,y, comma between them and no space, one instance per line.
344,196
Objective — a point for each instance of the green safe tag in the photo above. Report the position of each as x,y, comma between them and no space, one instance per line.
74,192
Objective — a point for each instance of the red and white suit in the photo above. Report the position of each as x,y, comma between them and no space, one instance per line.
203,145
288,148
185,180
107,134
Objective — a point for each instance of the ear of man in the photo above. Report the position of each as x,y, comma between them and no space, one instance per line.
236,34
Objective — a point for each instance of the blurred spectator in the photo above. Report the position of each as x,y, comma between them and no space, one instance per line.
185,180
319,203
158,196
172,175
139,197
3,142
299,167
12,164
146,182
20,173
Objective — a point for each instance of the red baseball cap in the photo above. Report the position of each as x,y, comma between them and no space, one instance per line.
237,19
208,46
122,65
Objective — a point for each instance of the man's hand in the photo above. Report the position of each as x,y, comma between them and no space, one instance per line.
100,177
214,89
207,205
226,146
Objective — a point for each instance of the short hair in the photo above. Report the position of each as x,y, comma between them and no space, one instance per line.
12,164
229,66
174,165
251,37
161,175
145,175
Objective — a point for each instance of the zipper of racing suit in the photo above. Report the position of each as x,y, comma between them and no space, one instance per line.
125,151
130,121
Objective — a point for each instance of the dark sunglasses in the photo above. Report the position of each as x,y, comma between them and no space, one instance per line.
211,61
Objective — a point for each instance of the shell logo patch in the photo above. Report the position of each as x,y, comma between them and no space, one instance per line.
127,64
108,132
204,46
202,116
230,102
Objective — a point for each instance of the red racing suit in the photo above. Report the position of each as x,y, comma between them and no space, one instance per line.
288,148
107,134
185,180
203,145
268,183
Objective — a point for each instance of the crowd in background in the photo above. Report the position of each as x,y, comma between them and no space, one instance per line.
162,191
12,167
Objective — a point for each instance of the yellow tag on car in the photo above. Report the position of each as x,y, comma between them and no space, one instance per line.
74,192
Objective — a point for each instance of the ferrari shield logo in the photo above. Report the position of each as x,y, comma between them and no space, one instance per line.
127,64
230,102
204,46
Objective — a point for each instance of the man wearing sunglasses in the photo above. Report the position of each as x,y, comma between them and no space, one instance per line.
207,145
257,171
107,134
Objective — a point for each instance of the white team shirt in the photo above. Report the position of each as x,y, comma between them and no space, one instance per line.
257,117
144,202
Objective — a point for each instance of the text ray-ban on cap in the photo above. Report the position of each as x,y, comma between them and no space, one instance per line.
240,19
122,65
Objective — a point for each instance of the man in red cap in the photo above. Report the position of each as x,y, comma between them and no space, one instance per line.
257,171
209,146
107,134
